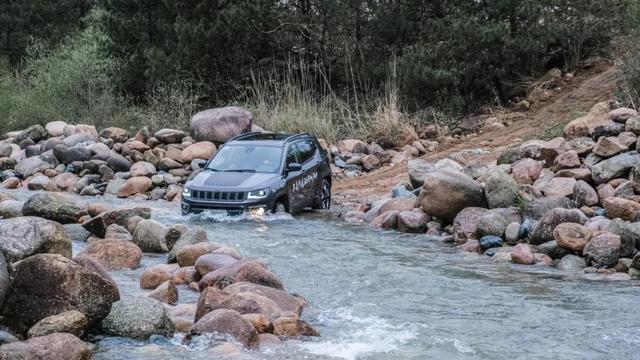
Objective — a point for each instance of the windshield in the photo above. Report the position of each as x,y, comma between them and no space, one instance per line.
263,159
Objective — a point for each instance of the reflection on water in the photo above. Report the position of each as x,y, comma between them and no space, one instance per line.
383,295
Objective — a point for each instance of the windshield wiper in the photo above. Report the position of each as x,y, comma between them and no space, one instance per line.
238,170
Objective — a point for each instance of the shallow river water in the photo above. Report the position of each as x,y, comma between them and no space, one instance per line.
384,295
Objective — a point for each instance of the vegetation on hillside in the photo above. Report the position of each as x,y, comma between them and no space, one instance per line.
337,68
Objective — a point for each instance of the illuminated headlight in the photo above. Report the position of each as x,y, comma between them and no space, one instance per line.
257,194
186,193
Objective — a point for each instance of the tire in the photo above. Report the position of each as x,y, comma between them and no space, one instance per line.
324,201
279,207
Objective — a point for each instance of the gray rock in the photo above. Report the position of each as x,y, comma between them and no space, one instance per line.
603,250
138,318
5,149
25,236
501,190
512,233
169,136
98,225
118,162
617,166
553,249
67,155
31,166
11,208
150,236
54,206
492,224
189,237
5,280
444,194
76,232
114,185
538,207
572,263
584,194
629,235
543,230
418,169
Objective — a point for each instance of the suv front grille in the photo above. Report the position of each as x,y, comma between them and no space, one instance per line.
218,195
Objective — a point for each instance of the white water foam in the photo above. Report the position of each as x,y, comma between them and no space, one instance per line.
224,217
360,336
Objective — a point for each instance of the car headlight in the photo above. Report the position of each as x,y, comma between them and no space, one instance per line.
186,193
257,194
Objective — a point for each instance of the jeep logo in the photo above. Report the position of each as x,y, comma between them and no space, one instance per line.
304,181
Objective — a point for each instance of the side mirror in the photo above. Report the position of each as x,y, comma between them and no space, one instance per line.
293,167
202,163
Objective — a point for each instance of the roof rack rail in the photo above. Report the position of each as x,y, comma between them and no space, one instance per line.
296,136
242,136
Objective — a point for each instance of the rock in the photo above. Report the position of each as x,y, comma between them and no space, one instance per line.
57,207
539,207
11,209
603,250
227,322
352,146
566,160
21,237
284,301
31,166
188,254
5,150
261,322
584,194
629,236
143,168
155,275
150,236
492,224
72,322
212,299
621,208
572,263
526,171
201,150
621,115
490,241
58,346
246,270
118,162
543,231
608,146
445,194
370,162
55,128
138,318
552,249
212,262
572,236
512,233
116,134
500,190
292,326
418,169
633,125
98,225
522,254
398,204
47,284
5,280
189,237
465,224
169,136
68,155
617,166
117,232
386,220
559,186
220,124
114,254
166,293
607,129
413,221
135,185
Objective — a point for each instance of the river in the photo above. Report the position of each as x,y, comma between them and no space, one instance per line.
385,295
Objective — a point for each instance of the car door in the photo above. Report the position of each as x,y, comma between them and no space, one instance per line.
307,152
294,179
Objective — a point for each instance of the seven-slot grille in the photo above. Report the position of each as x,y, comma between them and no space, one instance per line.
218,195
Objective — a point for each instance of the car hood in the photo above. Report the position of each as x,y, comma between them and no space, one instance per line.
234,181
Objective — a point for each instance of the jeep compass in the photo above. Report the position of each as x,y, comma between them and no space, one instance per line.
260,172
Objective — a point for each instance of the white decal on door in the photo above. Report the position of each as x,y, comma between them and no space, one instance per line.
304,181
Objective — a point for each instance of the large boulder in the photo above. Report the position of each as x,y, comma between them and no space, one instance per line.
212,299
617,166
500,190
25,236
135,185
227,322
150,236
47,284
188,254
169,136
292,326
191,236
465,224
220,124
138,318
143,168
444,194
285,301
212,262
98,225
54,206
539,207
246,270
114,254
67,155
57,346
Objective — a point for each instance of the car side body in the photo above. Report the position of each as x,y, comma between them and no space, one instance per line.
268,171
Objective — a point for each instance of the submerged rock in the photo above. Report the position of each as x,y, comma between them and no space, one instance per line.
227,322
138,318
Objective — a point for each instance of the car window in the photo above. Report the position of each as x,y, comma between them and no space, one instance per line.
265,159
306,150
292,154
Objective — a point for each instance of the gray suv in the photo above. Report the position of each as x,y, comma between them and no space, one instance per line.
261,172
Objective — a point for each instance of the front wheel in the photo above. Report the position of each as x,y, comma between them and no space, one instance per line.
324,202
279,208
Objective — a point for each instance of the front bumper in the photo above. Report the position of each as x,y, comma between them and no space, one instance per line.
190,206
